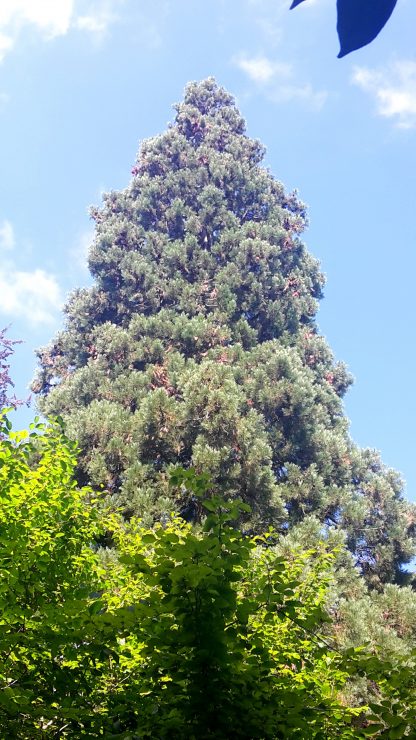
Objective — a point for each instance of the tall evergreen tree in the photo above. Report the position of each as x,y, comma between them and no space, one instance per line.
197,344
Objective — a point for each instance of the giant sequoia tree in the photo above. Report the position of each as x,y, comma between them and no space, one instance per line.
197,344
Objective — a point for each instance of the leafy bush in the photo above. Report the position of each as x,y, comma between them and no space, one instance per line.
174,631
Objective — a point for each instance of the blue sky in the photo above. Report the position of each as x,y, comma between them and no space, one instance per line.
83,82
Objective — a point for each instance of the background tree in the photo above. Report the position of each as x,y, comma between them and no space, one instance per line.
197,344
6,383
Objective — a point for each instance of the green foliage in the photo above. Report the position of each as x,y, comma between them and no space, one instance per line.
178,631
226,633
48,572
197,345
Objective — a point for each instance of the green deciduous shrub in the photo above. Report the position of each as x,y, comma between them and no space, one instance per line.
174,631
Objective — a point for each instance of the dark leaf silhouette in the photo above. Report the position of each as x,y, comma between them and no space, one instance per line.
359,21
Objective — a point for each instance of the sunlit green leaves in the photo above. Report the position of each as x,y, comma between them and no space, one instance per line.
176,631
48,572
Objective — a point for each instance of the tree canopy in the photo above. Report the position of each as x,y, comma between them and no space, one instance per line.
197,345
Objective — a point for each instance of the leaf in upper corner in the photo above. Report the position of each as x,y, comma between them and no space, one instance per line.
360,21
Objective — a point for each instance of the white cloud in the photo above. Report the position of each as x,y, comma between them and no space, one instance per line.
261,70
34,296
98,19
52,18
7,239
394,90
93,23
278,81
314,99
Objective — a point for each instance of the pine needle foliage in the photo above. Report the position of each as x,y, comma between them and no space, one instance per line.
197,345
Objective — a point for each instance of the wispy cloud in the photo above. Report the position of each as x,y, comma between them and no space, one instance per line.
32,295
7,238
394,89
272,16
262,70
6,44
52,18
4,99
269,17
278,81
98,18
97,24
79,252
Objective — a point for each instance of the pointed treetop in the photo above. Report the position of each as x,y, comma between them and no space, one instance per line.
207,102
207,96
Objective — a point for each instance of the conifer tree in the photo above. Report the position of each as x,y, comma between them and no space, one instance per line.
197,344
